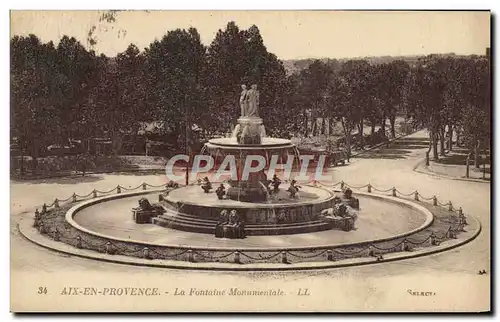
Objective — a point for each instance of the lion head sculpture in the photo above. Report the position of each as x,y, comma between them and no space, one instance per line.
144,204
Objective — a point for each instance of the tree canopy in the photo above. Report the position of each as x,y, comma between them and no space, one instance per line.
68,92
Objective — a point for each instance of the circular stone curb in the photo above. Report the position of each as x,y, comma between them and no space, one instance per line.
29,232
73,210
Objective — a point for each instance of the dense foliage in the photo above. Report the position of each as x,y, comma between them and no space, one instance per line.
66,92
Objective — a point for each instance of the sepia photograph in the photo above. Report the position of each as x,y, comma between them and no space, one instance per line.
250,161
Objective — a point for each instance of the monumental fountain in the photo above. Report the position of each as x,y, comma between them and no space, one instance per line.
282,223
264,211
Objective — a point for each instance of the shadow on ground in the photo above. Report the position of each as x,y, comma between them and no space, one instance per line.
398,149
140,173
460,158
61,180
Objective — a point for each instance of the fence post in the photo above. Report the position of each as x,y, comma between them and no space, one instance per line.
416,195
404,246
74,197
463,220
37,218
56,234
190,255
118,189
144,186
450,206
432,239
94,194
237,257
369,188
145,253
78,241
329,255
108,247
41,227
284,260
394,192
434,201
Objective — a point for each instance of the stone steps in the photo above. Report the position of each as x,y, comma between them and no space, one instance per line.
182,217
189,223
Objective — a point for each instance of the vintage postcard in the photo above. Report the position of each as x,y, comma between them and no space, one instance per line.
250,161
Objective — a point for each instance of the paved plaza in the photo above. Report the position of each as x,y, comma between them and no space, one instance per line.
381,284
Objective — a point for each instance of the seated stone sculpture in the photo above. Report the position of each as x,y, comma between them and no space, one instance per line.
237,230
230,225
340,215
146,211
223,220
221,191
206,185
349,200
144,204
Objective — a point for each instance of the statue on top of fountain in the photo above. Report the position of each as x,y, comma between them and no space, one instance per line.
249,101
249,129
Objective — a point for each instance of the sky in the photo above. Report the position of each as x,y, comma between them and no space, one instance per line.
288,34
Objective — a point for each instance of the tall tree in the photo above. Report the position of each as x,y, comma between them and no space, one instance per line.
174,68
396,79
79,68
237,57
34,94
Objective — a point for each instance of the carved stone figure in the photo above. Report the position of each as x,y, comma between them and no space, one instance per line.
253,102
250,134
340,215
221,191
293,189
206,185
144,204
223,220
276,183
244,100
146,211
349,200
172,184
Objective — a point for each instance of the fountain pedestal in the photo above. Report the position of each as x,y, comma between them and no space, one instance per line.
255,189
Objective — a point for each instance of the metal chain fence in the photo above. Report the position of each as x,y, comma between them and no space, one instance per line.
51,222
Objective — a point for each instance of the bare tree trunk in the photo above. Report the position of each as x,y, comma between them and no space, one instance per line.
348,137
450,139
477,162
435,146
373,128
392,120
331,124
442,141
361,134
383,123
467,161
22,159
428,150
